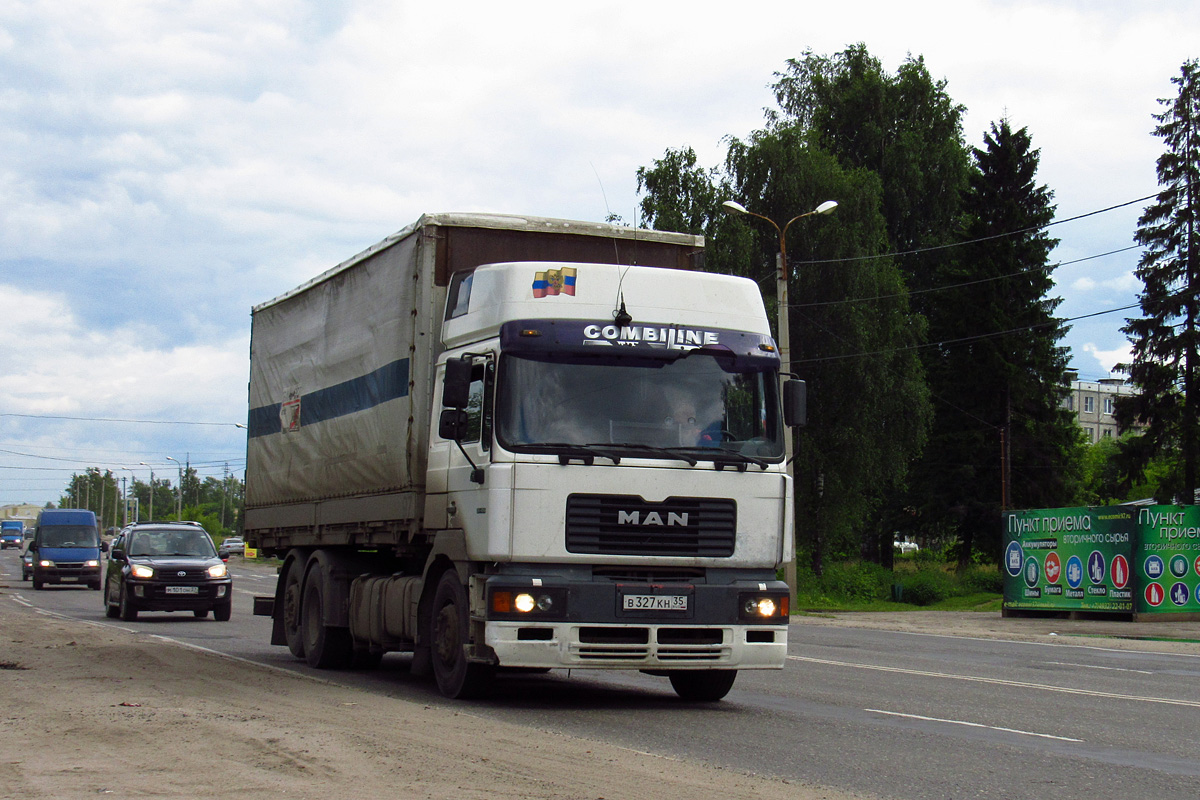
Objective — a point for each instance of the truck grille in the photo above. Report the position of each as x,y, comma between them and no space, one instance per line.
629,525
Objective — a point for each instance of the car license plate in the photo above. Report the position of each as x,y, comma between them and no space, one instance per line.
655,602
69,578
183,590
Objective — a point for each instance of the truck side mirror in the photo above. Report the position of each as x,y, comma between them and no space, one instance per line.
795,404
456,385
453,424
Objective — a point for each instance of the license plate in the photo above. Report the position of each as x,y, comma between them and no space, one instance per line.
68,578
655,602
183,590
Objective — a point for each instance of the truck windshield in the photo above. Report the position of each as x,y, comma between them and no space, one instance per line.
694,405
68,536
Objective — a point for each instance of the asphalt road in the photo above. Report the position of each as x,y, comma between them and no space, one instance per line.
899,715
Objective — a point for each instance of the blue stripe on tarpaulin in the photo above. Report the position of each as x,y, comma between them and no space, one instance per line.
389,382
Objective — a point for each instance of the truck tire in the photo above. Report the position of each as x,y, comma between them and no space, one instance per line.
456,677
325,646
128,611
292,596
705,685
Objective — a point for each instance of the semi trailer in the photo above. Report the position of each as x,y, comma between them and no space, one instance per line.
513,443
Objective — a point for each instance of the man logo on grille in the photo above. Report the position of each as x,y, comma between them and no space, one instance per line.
651,518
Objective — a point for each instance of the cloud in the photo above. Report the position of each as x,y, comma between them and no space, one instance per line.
1108,359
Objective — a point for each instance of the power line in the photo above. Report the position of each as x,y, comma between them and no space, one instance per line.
981,239
963,340
1045,268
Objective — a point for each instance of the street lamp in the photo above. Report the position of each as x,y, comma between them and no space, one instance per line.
785,349
179,491
125,499
144,464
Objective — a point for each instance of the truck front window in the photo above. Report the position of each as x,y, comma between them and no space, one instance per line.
691,402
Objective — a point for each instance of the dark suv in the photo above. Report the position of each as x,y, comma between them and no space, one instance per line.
166,566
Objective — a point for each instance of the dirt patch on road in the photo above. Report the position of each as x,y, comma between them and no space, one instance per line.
90,710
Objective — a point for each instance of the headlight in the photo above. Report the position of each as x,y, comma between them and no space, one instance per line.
92,563
217,571
140,571
758,607
45,563
547,603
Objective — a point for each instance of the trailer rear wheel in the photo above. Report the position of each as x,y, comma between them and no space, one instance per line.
704,685
456,677
325,646
291,609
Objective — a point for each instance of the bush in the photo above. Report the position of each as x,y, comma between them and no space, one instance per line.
982,579
855,581
926,587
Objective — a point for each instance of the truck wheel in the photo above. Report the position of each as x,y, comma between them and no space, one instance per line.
292,595
456,677
128,610
703,685
325,646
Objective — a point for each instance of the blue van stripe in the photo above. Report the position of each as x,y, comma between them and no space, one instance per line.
389,382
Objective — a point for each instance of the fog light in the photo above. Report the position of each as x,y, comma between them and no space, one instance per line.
139,591
221,591
545,603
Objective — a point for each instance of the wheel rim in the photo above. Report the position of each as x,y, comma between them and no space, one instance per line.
446,644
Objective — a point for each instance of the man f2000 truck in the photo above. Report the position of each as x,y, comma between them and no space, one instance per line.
509,442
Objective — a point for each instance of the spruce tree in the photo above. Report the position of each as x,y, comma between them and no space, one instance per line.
1166,354
1002,438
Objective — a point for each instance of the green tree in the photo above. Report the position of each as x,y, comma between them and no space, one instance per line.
1166,352
1000,422
868,414
852,335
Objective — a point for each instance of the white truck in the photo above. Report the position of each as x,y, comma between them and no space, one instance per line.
505,442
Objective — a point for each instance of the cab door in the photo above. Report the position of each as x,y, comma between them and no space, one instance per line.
466,474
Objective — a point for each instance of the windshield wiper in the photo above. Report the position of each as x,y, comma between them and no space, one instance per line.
719,455
670,452
565,451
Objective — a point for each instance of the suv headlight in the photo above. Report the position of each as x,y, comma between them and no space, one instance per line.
141,571
217,571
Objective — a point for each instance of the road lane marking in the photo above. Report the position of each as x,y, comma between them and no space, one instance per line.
1092,666
1002,682
973,725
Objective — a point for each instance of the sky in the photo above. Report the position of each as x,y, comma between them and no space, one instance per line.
166,165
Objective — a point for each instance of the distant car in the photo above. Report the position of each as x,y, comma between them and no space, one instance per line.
233,546
906,547
166,566
26,565
11,532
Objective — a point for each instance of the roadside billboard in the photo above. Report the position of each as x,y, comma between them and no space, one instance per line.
1072,559
1167,558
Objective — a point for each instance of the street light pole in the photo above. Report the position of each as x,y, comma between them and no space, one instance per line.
179,490
785,336
144,464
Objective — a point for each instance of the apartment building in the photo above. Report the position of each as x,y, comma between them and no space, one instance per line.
1094,403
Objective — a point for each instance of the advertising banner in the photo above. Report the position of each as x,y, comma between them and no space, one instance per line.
1073,559
1167,557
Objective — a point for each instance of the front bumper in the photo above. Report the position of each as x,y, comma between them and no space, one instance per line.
153,595
66,573
597,631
